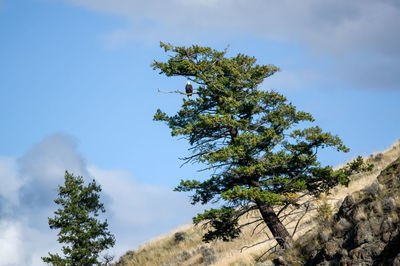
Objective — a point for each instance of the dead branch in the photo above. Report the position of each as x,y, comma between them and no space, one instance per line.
252,222
262,255
245,210
255,228
282,209
261,242
180,92
298,222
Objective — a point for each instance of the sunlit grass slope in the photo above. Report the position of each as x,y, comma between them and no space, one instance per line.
184,245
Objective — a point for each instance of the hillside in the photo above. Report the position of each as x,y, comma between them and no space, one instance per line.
365,230
183,246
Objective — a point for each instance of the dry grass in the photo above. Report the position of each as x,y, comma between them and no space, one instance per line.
380,160
245,250
165,251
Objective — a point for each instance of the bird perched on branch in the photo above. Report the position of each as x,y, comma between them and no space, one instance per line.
188,89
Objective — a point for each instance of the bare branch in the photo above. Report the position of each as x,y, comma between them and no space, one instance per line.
261,242
180,92
213,167
255,228
252,222
282,209
245,210
256,244
190,58
298,222
218,59
195,156
266,252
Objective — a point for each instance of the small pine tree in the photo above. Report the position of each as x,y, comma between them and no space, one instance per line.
84,235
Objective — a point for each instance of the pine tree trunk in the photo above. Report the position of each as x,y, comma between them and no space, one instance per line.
276,227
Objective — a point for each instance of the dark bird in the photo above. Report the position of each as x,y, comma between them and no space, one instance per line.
188,89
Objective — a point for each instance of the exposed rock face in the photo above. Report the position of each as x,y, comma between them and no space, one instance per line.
365,231
366,227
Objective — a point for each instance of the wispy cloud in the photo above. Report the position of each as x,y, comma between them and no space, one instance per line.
329,25
136,212
335,28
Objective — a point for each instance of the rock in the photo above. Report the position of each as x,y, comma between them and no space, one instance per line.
396,261
359,215
343,253
376,208
366,229
265,263
354,253
388,204
392,172
373,189
280,261
375,225
363,233
323,236
346,207
386,229
324,263
343,225
344,262
387,225
385,237
365,252
376,248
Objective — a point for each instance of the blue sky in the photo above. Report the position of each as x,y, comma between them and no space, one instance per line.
77,92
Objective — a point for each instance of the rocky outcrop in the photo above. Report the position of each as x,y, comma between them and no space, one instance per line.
365,231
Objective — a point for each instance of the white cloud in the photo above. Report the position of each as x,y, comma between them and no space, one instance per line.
22,244
135,212
10,184
138,212
329,25
47,161
10,243
373,72
129,201
337,28
292,80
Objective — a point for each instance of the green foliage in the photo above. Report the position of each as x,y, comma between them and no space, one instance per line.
84,235
357,166
255,141
223,221
325,212
252,194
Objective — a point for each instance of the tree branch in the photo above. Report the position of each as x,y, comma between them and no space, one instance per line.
180,92
266,252
261,242
298,222
255,228
218,59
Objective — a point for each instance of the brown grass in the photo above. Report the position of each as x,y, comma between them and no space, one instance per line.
243,251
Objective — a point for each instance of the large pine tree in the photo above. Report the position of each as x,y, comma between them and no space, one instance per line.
254,140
